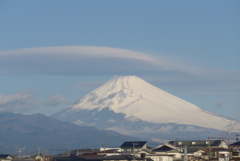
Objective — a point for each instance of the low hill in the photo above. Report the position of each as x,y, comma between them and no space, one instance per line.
26,133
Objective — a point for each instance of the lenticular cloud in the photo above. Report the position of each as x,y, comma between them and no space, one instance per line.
73,60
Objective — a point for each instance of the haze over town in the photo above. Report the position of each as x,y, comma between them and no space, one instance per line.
52,53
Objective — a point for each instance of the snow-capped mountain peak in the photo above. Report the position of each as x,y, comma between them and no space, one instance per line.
135,98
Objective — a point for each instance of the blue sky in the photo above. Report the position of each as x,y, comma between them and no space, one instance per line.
55,52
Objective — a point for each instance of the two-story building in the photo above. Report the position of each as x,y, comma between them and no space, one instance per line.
135,147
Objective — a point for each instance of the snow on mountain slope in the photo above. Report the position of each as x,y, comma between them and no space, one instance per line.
136,98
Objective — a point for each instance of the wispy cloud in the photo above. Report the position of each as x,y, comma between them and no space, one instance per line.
16,103
55,100
25,102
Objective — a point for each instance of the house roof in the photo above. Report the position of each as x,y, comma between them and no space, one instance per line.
74,159
196,143
192,150
169,145
163,148
5,156
146,151
235,144
219,149
169,155
92,156
130,144
65,158
122,157
148,147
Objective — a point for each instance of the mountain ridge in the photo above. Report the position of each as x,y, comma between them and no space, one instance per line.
27,132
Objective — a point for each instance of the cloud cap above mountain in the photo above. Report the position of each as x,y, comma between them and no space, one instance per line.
73,60
93,60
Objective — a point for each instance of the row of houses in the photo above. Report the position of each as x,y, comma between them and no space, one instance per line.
173,150
139,151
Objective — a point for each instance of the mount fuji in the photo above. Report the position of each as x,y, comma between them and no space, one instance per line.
129,105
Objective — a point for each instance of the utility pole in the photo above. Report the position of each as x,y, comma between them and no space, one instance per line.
209,157
222,139
43,153
228,135
185,153
30,154
230,128
69,151
78,152
134,150
20,154
104,146
174,141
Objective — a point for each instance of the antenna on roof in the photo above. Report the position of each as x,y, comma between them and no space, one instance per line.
20,151
38,151
175,140
158,140
237,137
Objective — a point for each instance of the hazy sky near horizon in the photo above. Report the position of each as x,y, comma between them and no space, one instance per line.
55,52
